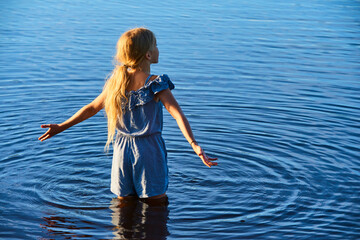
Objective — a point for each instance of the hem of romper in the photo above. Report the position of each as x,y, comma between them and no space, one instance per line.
156,194
117,193
147,93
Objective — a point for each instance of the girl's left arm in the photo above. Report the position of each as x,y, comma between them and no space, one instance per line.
84,113
170,103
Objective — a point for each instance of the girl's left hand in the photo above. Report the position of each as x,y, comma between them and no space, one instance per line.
208,161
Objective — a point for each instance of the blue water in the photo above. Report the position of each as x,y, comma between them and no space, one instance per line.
271,88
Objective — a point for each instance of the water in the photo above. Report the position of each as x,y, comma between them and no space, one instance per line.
271,88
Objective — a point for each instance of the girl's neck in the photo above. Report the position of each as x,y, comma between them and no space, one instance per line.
145,67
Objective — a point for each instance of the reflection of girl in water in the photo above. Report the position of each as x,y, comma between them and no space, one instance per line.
139,220
133,99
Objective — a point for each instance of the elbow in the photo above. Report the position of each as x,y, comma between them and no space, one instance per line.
180,117
176,113
91,110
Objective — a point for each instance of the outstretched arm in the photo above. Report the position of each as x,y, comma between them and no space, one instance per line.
174,109
84,113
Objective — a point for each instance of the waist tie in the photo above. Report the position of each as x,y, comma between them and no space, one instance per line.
137,136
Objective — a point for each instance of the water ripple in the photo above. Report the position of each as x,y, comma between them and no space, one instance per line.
270,88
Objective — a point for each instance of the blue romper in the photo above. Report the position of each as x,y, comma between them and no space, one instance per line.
139,165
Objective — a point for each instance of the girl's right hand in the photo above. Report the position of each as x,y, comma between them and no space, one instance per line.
52,131
208,161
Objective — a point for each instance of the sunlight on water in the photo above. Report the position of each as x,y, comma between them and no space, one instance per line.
270,88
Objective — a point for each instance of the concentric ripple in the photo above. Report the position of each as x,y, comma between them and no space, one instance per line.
271,88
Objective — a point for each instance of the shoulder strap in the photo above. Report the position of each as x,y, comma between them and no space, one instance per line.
148,78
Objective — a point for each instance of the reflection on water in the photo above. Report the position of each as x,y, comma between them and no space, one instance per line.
271,88
139,220
132,219
65,227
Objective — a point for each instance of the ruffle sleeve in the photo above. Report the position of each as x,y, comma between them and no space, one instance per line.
148,91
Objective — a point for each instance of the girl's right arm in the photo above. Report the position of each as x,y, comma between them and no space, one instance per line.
84,113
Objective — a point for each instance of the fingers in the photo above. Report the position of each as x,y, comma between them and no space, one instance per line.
208,161
213,163
207,157
45,125
44,137
210,164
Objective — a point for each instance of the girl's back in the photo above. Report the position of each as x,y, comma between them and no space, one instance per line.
142,114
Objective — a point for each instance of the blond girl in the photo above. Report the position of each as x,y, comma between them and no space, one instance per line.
133,99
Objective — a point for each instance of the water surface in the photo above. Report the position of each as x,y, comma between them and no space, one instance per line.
271,88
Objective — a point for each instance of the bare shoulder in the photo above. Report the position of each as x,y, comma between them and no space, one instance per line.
152,78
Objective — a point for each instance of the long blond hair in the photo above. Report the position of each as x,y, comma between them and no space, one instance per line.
131,47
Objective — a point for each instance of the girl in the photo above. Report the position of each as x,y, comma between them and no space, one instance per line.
133,100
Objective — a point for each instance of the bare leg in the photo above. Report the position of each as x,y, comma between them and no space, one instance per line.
127,201
128,198
158,200
136,197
